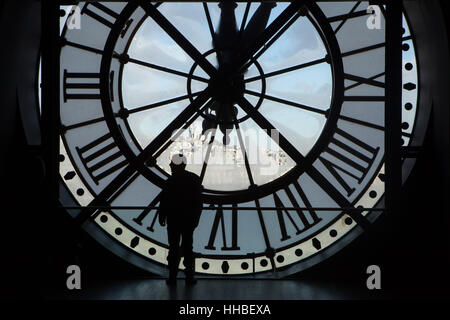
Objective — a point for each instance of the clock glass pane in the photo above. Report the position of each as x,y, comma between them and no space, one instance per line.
300,142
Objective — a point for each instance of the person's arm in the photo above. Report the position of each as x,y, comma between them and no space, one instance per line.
162,211
199,203
162,218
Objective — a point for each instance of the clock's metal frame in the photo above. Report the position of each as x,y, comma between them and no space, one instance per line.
257,191
394,150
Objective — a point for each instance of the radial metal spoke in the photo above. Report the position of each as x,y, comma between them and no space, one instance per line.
264,124
178,37
244,19
245,55
244,153
287,102
363,123
210,25
345,20
143,108
164,102
168,70
208,154
295,155
369,48
82,124
318,61
124,187
272,41
181,119
181,130
285,70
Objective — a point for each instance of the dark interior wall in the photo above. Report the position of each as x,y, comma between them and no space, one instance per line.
441,116
20,167
8,112
38,242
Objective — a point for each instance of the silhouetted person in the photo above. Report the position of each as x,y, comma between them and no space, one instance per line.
180,206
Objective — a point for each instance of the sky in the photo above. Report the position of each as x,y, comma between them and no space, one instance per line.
301,43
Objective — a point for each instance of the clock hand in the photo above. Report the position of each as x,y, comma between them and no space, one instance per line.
229,82
166,134
242,57
262,122
225,41
176,35
180,132
227,34
258,22
244,18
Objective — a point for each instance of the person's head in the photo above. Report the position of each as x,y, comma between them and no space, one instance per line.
178,163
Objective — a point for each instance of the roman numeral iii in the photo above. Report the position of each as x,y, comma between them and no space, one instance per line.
79,85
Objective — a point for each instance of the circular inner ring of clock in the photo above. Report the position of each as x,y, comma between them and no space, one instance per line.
234,155
279,108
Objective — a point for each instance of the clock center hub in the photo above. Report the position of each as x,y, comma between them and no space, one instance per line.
228,91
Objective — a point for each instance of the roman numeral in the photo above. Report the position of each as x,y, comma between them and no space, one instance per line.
350,161
80,85
97,166
219,222
101,13
281,213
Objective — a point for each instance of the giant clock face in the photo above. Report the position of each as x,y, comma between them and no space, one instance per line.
278,108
